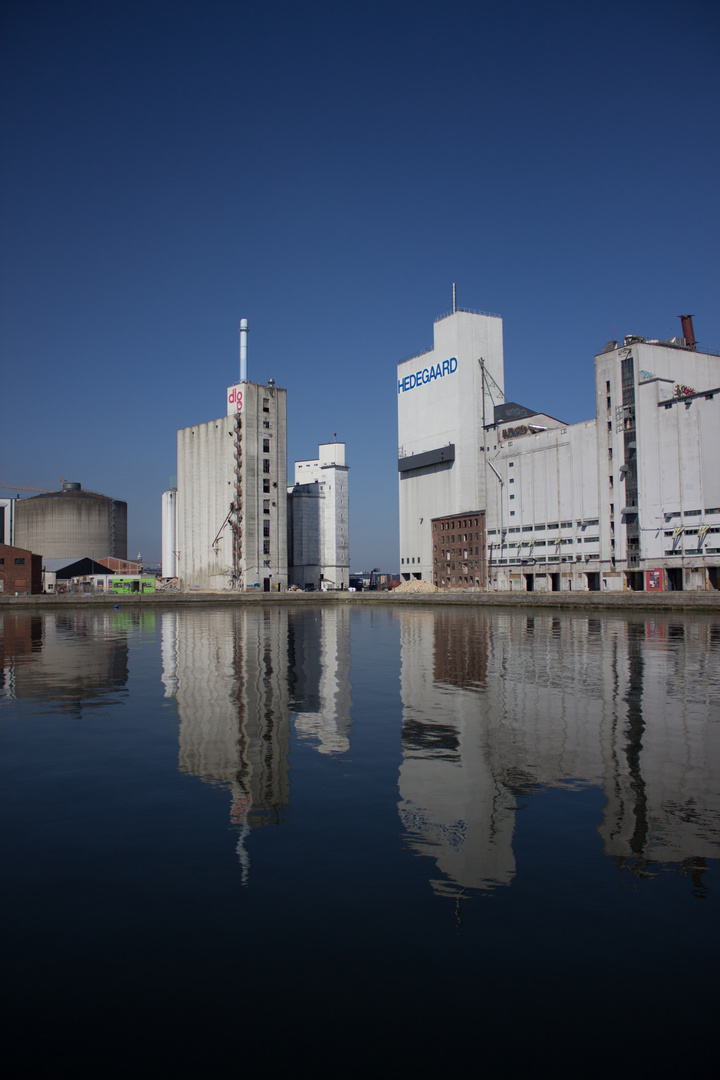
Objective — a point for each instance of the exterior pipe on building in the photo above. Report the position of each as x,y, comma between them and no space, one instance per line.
688,332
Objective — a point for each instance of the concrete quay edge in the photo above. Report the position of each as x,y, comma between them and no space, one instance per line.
589,601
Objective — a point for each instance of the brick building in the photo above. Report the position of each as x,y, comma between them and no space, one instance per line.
459,551
20,570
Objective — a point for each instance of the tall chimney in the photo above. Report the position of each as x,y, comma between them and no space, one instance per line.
243,350
688,332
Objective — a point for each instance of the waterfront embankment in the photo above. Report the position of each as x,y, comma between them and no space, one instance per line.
585,601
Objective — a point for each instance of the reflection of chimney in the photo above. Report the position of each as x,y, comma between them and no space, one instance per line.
688,332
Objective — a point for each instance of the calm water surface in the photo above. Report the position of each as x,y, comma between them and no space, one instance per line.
339,840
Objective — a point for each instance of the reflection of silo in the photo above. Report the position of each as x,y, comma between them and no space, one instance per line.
228,673
75,658
72,522
319,662
452,804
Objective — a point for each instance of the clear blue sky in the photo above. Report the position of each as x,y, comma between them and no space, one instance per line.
327,170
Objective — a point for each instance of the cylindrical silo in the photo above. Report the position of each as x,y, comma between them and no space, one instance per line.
72,523
169,534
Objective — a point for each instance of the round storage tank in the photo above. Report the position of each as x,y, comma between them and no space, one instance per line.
72,523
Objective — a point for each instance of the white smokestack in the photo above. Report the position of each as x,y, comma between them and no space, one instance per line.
243,350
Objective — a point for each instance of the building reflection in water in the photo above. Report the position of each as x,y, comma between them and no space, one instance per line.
498,706
237,676
319,654
77,658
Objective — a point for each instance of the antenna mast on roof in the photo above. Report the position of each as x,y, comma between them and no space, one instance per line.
454,304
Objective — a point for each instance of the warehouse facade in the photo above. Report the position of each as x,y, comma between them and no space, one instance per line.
630,499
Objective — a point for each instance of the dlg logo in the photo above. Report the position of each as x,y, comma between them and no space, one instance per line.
235,398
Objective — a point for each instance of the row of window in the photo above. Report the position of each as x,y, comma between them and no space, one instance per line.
587,523
18,562
690,513
460,523
542,559
462,538
547,543
692,532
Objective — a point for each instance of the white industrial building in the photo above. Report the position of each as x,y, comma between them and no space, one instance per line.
630,499
444,400
229,526
318,521
233,523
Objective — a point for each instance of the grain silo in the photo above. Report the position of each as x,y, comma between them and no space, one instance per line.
72,522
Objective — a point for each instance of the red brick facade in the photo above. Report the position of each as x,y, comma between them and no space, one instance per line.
459,551
20,571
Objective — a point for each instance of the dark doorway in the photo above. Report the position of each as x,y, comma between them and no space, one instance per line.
529,582
593,580
554,582
266,584
675,579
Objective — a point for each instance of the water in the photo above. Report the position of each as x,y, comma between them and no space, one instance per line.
340,839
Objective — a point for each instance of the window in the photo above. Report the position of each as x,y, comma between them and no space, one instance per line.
266,506
20,562
512,496
266,446
266,423
266,547
266,464
266,528
266,486
511,480
511,464
266,404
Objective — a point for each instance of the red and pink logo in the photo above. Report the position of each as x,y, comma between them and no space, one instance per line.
235,399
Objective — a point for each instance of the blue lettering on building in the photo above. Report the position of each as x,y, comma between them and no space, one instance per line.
418,378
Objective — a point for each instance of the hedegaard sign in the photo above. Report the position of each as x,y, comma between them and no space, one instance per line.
234,400
428,374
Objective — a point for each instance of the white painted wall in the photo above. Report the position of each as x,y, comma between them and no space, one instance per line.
441,402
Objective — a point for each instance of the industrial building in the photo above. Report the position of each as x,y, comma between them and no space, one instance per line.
225,526
630,499
318,521
20,571
67,524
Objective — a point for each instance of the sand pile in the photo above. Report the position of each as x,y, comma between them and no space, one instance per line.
416,587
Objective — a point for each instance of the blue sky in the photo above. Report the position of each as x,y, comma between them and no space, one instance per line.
327,170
